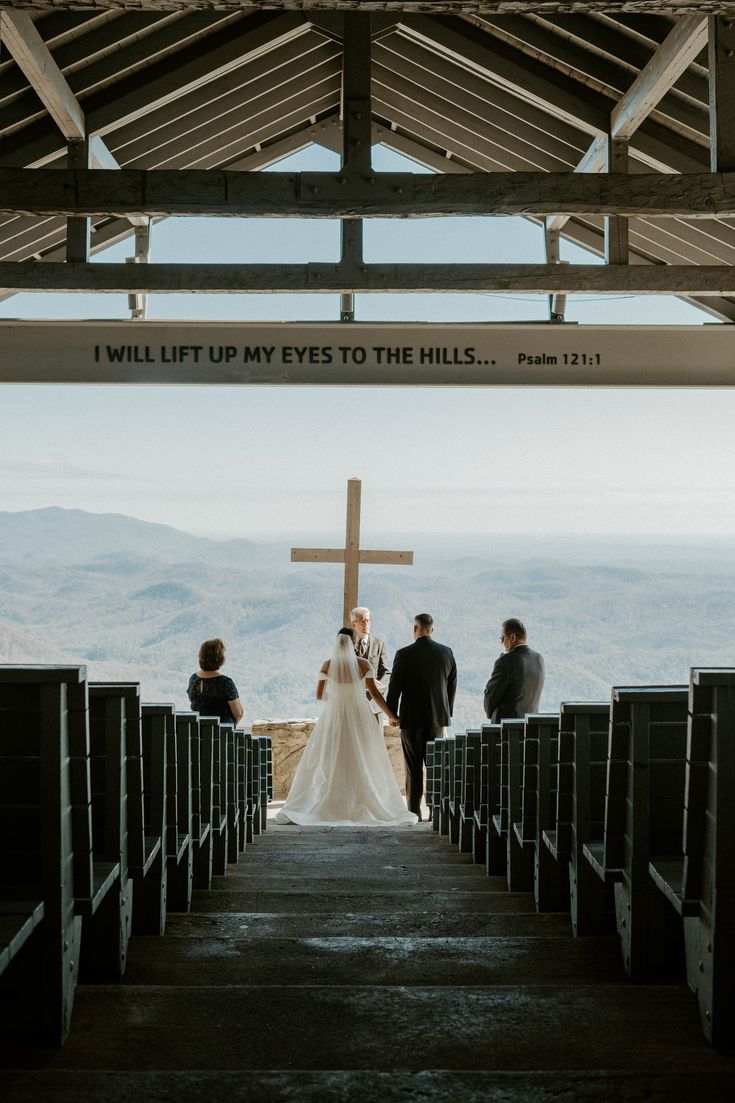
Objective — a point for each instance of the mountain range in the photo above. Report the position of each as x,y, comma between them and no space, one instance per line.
133,600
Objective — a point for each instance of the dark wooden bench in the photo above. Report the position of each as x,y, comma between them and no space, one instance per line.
583,745
232,806
107,923
699,882
446,773
433,782
145,805
500,775
456,778
179,850
40,931
480,818
266,778
470,794
644,803
200,743
523,774
550,871
644,811
241,787
216,735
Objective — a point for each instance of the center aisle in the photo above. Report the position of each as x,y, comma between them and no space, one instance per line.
341,964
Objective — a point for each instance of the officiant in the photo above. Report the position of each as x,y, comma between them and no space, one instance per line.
372,648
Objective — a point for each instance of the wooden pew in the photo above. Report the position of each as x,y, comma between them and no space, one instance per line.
583,746
429,791
479,828
502,777
107,920
40,932
199,740
241,788
523,774
233,808
179,849
266,779
643,809
551,851
434,782
496,854
446,772
699,881
456,776
215,733
145,804
470,795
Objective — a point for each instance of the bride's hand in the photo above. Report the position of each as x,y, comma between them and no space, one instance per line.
393,720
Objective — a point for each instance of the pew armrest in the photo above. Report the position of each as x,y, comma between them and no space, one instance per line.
549,837
668,876
152,845
104,876
595,855
18,920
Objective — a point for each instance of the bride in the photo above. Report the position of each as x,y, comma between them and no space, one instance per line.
345,777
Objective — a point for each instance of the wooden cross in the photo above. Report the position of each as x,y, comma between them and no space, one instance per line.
352,555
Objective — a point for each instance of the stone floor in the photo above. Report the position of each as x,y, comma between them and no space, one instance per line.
339,965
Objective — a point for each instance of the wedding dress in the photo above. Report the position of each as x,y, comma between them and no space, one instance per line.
345,777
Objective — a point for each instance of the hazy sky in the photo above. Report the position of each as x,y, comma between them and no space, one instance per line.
236,461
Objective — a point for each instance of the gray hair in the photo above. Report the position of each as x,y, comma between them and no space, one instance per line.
358,610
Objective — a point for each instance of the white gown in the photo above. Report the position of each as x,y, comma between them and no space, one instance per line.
345,777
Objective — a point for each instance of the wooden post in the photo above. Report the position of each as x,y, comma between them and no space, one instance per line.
616,228
722,92
352,547
77,229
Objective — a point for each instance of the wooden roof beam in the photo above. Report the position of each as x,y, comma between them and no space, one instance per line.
219,193
33,57
681,46
549,279
650,7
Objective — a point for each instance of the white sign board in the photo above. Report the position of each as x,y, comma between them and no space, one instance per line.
351,354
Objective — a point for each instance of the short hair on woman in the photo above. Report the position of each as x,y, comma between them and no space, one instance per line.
515,628
211,655
347,632
424,620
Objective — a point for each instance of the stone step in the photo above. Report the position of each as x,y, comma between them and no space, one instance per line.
255,926
388,960
346,856
533,1028
426,1086
346,897
380,877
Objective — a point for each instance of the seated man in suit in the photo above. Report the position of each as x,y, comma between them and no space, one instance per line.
518,676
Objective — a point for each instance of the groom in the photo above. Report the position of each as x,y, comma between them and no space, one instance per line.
425,679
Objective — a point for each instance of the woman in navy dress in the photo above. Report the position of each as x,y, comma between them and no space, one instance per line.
211,693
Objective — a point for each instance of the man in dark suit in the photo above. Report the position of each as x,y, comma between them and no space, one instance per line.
424,680
372,648
518,676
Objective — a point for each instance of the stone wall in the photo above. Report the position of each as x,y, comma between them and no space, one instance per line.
289,739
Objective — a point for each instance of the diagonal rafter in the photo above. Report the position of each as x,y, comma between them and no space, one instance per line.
681,46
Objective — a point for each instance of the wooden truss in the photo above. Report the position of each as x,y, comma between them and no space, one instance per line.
602,185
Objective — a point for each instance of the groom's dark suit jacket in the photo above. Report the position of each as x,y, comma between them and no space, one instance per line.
515,684
424,678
